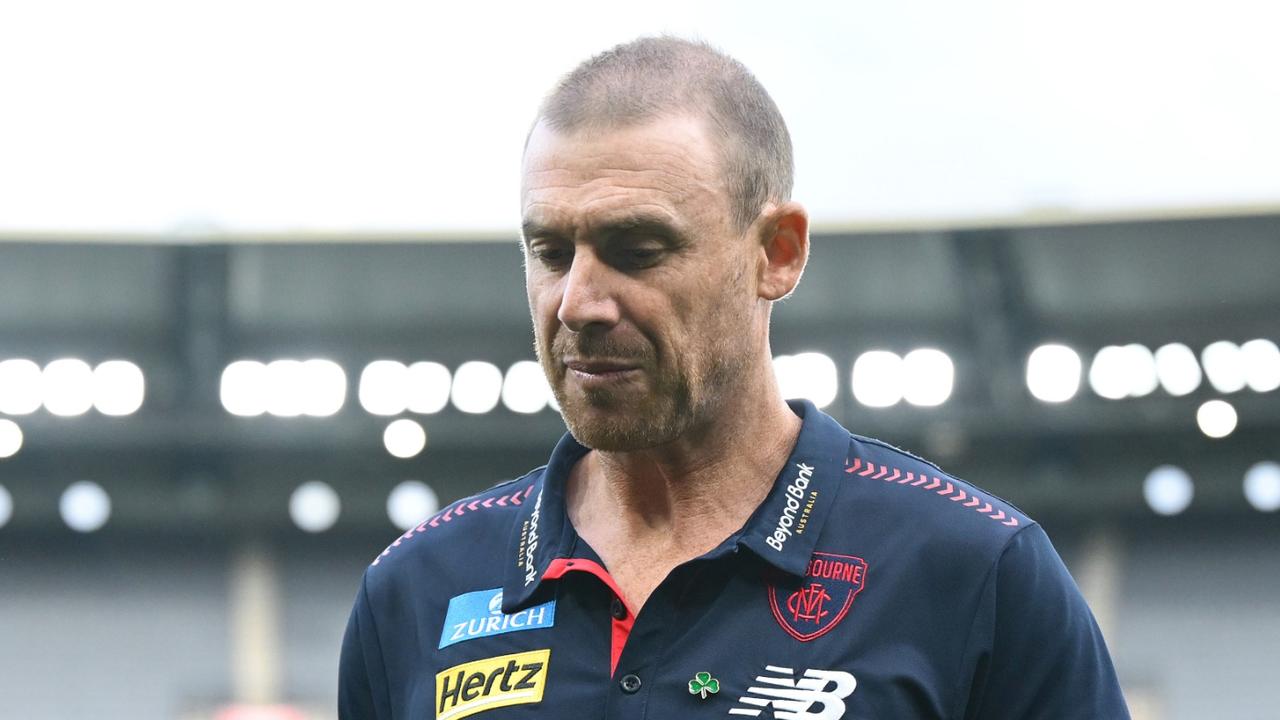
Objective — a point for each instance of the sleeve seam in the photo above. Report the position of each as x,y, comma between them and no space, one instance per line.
377,640
957,707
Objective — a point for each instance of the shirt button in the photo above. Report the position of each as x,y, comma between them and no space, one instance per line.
618,610
630,684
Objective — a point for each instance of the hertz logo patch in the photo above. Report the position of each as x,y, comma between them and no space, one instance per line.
470,688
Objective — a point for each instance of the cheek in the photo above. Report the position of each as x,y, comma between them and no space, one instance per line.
729,292
702,319
543,304
731,314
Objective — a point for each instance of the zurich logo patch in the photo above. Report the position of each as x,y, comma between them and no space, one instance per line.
479,614
830,584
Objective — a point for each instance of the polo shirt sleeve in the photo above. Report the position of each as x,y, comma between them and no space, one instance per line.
362,677
1040,652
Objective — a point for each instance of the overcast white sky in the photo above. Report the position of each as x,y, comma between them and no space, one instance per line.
261,116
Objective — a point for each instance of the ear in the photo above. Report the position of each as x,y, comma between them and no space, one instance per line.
784,248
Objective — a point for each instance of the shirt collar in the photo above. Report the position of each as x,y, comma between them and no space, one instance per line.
783,530
542,531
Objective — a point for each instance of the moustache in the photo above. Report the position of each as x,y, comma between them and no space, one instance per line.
596,346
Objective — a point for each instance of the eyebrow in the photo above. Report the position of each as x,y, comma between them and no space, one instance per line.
638,223
529,228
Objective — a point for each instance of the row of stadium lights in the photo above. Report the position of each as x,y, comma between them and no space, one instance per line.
1169,489
292,388
924,377
1054,371
318,388
68,387
1117,372
314,506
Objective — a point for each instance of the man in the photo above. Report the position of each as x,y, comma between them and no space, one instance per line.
696,546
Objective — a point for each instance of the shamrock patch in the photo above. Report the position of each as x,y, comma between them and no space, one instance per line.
703,684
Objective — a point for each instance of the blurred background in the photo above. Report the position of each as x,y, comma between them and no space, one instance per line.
262,308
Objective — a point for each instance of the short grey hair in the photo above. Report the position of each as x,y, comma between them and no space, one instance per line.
653,77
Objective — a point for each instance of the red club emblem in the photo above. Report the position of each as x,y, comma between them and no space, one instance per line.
823,599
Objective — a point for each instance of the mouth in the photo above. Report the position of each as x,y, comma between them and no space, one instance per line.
596,371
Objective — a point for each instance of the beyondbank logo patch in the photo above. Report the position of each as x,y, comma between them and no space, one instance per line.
474,687
479,614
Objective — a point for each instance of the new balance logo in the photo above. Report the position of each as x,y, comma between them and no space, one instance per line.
817,695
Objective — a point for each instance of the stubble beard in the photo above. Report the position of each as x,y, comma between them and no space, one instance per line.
677,398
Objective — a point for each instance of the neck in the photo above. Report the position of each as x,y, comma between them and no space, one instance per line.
690,494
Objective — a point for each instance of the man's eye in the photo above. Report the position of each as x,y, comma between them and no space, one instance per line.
550,254
641,257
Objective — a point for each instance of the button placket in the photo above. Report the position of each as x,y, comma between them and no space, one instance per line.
630,683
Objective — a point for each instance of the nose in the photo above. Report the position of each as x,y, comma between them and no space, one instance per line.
587,297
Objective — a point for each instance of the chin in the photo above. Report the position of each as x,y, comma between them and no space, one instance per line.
621,429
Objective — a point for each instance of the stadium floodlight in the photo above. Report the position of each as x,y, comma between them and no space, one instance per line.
410,503
243,388
1216,418
382,387
1261,486
810,376
1053,373
477,386
1120,371
1177,369
10,438
877,378
6,506
20,391
314,506
1261,359
928,377
428,387
1224,366
404,438
1107,374
326,387
1140,367
68,387
85,506
286,388
1168,490
525,389
118,388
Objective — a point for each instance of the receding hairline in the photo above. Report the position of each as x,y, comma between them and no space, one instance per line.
686,151
652,78
701,119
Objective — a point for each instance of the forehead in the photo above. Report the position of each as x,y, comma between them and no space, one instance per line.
667,167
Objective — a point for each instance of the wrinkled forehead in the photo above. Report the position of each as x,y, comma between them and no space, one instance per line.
668,164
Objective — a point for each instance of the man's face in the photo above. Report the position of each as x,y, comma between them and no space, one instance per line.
641,290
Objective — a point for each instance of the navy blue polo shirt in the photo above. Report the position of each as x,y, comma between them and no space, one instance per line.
868,584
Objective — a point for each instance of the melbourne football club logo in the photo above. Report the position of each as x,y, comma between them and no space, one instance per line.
823,599
780,695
